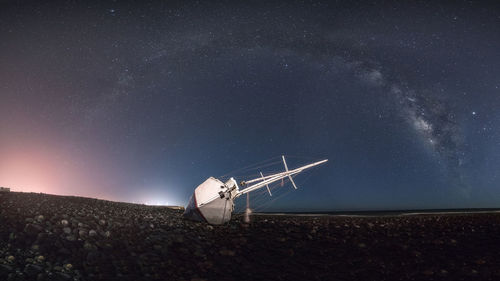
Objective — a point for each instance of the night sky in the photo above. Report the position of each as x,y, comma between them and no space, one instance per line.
142,101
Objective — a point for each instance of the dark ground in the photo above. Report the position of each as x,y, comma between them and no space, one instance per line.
47,237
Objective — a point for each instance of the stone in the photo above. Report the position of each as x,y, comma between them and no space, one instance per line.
32,229
82,233
92,257
89,246
64,222
40,259
5,268
92,233
68,266
64,252
58,268
226,252
32,270
71,238
62,276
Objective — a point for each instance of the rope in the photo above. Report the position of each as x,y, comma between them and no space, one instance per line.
248,167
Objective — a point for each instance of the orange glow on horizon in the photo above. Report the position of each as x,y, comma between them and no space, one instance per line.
43,168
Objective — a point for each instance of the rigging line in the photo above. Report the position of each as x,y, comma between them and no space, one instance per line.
274,199
246,175
259,198
251,165
276,189
266,204
262,196
304,157
283,193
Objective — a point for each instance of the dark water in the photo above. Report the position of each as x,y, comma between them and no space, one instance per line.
386,212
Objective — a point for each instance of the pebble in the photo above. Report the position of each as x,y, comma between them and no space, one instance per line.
32,270
226,252
92,257
102,240
32,229
71,238
82,233
5,268
62,276
40,259
89,246
68,266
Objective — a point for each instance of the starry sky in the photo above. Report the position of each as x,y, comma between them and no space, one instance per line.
141,101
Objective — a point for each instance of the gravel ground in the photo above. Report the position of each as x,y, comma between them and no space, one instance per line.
47,237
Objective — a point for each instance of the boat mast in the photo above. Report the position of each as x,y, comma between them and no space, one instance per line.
266,180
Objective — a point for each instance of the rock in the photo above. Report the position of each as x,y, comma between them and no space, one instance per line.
32,270
71,238
41,237
67,230
10,259
62,276
102,222
92,257
32,229
40,259
92,233
58,268
178,238
40,218
428,272
5,268
89,246
82,233
480,261
226,252
64,222
68,266
64,252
